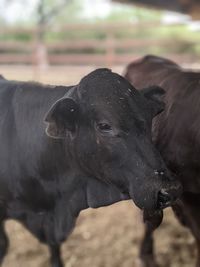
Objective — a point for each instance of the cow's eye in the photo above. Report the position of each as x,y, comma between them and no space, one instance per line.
104,127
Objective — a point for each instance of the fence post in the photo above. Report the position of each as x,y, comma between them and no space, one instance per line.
42,56
40,53
110,49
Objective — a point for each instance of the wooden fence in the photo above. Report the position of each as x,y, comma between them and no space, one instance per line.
77,46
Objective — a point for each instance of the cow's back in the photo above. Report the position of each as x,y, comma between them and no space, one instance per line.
150,70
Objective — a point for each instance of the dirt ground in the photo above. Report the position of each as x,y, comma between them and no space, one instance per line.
105,237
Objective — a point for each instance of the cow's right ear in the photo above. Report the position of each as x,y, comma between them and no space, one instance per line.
155,96
62,118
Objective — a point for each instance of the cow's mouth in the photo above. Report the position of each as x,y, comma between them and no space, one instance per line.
164,199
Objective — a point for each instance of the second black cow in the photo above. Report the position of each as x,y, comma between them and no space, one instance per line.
97,150
176,133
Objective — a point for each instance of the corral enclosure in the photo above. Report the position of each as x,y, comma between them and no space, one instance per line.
106,237
101,44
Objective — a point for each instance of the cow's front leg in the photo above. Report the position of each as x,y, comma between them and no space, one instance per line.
3,242
198,253
55,255
187,210
152,221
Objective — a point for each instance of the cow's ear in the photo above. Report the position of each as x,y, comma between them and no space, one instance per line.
62,118
154,94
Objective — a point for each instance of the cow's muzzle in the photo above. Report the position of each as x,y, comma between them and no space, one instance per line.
167,196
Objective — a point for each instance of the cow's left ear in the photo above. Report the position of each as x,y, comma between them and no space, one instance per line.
154,95
61,118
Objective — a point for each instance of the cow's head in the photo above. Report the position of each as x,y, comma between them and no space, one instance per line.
107,127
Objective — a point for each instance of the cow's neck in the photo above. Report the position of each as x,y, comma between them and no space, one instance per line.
89,192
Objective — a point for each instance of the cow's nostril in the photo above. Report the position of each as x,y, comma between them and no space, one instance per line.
164,199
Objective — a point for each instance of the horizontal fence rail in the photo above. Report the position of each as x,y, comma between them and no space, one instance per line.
99,44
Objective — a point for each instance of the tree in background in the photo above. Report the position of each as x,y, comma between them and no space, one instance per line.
46,12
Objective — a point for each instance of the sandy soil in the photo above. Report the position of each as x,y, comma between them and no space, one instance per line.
106,237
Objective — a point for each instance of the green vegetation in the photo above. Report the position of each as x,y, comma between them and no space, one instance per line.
55,14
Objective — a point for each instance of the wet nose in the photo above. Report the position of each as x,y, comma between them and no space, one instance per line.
170,192
166,197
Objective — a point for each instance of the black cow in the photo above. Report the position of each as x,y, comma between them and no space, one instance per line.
176,133
97,150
